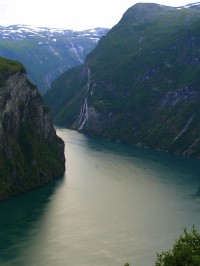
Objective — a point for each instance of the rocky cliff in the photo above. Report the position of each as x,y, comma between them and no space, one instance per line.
31,154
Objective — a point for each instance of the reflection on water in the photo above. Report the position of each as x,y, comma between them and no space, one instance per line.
115,204
19,216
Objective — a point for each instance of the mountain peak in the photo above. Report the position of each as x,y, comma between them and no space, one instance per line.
141,12
193,6
148,9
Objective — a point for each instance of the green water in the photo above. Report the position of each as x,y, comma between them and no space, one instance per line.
115,204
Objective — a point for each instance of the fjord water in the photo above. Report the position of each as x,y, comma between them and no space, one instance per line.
115,204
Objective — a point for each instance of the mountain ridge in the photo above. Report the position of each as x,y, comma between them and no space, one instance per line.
47,52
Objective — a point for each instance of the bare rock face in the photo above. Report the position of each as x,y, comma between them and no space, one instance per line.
31,154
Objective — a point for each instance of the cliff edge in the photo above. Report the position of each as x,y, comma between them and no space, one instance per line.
31,154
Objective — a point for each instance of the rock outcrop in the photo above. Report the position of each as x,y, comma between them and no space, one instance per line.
31,154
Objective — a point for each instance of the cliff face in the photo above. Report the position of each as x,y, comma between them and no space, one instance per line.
31,154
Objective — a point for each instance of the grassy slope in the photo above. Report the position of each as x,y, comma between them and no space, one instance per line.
10,65
47,59
146,75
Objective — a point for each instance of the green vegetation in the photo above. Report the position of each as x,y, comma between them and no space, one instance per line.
144,82
32,163
71,96
48,53
7,65
185,252
30,152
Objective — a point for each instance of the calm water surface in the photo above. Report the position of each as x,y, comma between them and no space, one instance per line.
115,204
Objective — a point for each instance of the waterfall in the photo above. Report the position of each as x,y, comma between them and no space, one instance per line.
74,50
184,129
84,116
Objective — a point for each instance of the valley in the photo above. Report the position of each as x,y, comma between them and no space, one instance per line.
47,52
100,141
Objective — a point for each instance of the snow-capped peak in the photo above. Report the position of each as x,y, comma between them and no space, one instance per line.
193,6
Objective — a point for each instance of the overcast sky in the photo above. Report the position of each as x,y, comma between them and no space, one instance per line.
70,14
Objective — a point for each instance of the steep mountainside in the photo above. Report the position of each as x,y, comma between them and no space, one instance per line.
47,52
141,84
31,154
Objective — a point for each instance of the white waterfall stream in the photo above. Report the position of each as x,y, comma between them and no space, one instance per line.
184,129
75,51
83,116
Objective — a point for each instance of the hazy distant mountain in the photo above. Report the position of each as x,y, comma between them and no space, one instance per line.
47,52
141,84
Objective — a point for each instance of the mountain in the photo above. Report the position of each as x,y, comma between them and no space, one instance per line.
141,84
31,154
47,52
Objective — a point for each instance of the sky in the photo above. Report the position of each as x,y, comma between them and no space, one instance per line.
70,14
